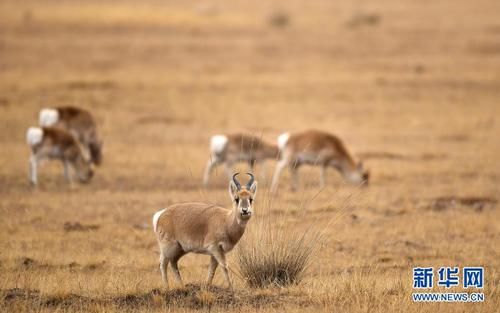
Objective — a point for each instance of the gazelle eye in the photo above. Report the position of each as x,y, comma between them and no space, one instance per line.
251,200
237,200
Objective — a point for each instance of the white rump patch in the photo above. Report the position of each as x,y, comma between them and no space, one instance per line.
48,117
34,136
156,217
218,143
282,140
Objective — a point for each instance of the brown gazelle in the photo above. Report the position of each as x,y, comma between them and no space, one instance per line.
204,229
233,148
78,122
56,143
316,148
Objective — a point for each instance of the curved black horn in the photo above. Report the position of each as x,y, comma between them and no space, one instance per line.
250,182
236,182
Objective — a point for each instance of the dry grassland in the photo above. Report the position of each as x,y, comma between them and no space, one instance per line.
413,88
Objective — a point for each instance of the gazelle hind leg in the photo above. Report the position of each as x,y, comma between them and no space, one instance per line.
211,164
33,170
228,168
163,268
171,252
277,173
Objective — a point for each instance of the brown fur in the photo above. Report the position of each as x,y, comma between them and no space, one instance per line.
326,146
322,149
81,124
61,145
255,147
203,228
241,148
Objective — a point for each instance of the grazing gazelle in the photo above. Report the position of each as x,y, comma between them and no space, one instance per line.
78,122
233,148
316,148
56,143
204,229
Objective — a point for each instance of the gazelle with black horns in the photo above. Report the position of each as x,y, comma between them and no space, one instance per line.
204,229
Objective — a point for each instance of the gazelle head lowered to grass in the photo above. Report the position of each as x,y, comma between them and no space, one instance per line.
77,121
317,148
58,144
243,196
358,175
229,149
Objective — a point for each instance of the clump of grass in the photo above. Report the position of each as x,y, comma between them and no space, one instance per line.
275,256
279,19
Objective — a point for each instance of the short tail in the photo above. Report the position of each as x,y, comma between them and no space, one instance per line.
156,217
218,144
48,117
283,140
34,136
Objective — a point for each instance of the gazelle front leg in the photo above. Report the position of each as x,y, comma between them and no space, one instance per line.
67,172
211,270
221,259
295,177
322,174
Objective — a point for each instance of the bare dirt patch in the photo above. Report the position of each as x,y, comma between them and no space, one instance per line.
76,226
477,204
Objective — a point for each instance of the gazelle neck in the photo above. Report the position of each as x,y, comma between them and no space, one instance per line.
235,226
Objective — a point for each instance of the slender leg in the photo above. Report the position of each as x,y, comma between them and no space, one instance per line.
322,176
171,252
228,168
277,173
221,259
295,177
33,170
211,164
67,173
263,170
163,268
211,269
251,164
175,269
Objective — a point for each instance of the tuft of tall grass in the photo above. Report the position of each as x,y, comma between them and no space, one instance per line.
273,255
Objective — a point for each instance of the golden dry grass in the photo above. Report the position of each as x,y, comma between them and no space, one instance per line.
412,87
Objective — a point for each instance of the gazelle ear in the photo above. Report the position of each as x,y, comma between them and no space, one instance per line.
233,189
253,189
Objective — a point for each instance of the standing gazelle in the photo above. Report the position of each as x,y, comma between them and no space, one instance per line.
79,122
204,229
233,148
316,148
